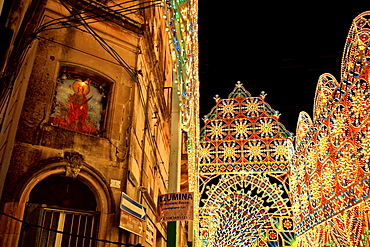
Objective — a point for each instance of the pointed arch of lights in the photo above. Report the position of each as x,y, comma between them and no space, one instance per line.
244,158
330,170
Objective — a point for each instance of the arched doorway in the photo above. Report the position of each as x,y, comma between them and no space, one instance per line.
62,212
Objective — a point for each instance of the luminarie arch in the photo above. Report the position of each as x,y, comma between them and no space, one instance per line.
330,169
244,158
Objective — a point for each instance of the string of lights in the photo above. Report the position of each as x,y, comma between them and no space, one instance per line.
182,27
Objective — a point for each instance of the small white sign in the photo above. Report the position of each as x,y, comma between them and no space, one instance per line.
150,232
115,183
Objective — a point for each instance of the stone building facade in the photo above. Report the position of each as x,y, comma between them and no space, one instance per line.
86,101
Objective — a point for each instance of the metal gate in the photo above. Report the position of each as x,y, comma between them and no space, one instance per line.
52,227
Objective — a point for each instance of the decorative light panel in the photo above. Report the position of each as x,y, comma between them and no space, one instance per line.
243,160
330,169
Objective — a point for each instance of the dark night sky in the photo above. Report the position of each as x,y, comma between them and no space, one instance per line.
281,49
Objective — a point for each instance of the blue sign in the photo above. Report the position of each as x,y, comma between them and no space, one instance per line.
132,207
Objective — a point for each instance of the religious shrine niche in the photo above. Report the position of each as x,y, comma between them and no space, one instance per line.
330,169
244,157
80,101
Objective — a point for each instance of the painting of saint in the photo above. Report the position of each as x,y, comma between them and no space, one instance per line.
78,105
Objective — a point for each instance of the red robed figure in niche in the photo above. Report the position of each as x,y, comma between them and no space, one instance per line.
78,105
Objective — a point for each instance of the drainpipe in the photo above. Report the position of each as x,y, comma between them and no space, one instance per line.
173,227
145,130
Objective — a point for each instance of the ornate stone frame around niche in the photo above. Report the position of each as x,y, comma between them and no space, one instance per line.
81,100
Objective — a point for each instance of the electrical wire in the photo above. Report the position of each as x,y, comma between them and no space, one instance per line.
66,21
74,13
98,38
116,56
12,69
111,51
29,224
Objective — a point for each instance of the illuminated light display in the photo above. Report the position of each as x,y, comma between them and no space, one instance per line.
182,28
244,157
330,169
